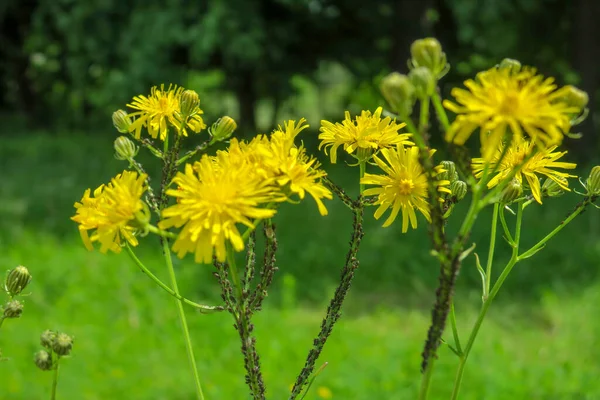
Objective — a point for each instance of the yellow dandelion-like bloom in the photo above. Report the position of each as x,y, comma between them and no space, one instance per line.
324,393
542,162
500,98
366,135
404,186
293,170
212,198
111,212
161,109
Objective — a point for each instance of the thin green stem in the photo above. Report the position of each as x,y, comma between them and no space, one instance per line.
424,390
1,321
488,269
440,111
549,236
411,126
182,318
234,272
455,330
363,167
486,304
163,286
160,232
54,380
505,227
424,116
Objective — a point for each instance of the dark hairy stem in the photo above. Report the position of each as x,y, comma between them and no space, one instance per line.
335,305
268,270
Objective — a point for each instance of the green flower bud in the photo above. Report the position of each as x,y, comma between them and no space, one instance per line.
593,182
575,97
13,309
423,80
121,121
16,280
450,173
47,338
223,128
458,189
125,149
189,103
63,344
511,192
510,64
428,53
43,360
399,92
551,188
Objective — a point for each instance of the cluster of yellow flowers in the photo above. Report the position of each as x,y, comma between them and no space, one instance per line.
522,118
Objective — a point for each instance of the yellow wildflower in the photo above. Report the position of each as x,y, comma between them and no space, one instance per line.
324,393
404,186
212,198
366,135
161,109
502,98
111,212
541,162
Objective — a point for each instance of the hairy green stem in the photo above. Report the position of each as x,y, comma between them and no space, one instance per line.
455,329
488,269
440,111
182,318
54,380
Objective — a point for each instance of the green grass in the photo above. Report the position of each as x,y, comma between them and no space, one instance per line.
128,343
540,341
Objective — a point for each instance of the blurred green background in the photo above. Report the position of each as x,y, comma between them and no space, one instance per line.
66,65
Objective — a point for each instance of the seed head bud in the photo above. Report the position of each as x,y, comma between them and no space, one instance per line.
125,149
121,121
16,280
575,97
510,64
63,344
13,309
47,338
450,173
423,80
428,53
189,103
43,360
399,92
458,189
551,188
511,192
223,128
593,182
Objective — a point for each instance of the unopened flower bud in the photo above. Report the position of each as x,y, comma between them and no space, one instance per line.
423,80
125,149
121,121
428,53
223,128
399,92
189,103
47,338
16,280
43,360
575,97
593,182
458,189
512,191
450,173
510,64
551,188
13,309
63,344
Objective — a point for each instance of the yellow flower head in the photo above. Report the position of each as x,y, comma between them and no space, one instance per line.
212,198
366,135
404,186
502,98
294,171
541,162
161,109
112,212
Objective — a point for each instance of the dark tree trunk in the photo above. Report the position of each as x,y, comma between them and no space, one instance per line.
246,94
586,55
411,24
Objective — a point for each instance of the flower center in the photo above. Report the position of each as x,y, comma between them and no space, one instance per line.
509,105
406,186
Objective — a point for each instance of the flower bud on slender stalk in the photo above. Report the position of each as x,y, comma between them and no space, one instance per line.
43,360
16,280
125,149
223,128
13,309
593,182
189,103
399,92
428,53
121,121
